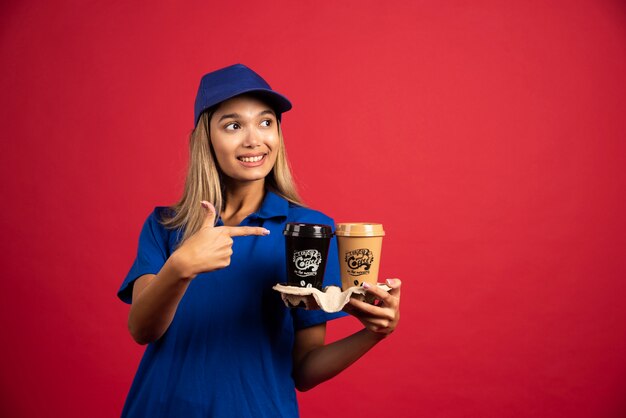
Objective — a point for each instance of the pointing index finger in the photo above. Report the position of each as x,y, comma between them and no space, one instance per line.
242,231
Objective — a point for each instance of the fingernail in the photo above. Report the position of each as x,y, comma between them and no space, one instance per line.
390,282
366,285
266,231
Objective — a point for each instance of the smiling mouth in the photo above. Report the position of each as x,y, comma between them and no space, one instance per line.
254,159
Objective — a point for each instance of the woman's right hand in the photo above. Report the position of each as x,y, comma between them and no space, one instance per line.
210,248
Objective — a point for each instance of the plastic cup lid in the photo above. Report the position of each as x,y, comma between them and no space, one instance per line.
296,229
360,229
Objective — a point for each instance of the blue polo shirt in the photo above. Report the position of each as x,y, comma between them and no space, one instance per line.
228,350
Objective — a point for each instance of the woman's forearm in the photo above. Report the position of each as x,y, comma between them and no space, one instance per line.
327,361
154,305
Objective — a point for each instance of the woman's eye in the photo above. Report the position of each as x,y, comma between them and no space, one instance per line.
266,123
232,126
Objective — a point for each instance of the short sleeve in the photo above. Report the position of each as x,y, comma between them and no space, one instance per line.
303,318
152,253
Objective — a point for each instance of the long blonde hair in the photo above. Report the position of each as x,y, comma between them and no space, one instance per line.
204,180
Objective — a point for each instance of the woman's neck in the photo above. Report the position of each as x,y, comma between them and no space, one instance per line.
242,199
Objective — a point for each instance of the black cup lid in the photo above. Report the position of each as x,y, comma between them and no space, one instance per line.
297,229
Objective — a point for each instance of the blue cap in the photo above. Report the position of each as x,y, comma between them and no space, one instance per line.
228,82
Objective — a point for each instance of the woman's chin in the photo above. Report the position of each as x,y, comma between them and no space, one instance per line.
247,177
248,174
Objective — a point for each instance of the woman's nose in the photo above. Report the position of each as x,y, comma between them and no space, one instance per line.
252,139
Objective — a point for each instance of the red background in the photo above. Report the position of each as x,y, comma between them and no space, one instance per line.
487,137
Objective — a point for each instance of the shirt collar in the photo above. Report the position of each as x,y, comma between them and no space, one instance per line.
273,206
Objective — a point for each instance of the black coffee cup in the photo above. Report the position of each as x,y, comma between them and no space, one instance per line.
306,248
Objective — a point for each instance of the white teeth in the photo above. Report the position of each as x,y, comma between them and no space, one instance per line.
251,159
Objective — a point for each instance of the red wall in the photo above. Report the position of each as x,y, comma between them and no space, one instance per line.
487,137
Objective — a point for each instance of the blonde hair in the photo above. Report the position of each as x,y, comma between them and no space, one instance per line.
204,181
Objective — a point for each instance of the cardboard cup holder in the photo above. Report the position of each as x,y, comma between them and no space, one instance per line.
331,299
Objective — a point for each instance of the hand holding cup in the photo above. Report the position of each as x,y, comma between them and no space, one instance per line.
382,318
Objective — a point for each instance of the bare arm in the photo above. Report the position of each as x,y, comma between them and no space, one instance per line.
315,362
156,297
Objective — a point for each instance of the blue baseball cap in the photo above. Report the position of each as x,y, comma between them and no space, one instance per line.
228,82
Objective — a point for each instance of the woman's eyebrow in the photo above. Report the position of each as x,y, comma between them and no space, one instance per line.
237,116
229,116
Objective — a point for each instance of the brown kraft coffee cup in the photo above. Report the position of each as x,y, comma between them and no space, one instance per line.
360,246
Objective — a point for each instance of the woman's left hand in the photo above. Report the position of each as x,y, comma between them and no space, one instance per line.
380,319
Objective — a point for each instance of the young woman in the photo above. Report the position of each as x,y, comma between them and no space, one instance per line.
221,343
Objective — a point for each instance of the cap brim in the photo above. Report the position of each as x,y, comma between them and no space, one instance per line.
279,103
276,101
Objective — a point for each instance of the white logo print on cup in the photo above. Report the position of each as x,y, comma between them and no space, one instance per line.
307,262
